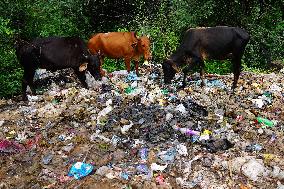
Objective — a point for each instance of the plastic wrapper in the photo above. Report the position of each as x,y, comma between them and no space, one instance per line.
80,170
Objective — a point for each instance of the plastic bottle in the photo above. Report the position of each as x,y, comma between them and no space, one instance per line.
188,132
265,121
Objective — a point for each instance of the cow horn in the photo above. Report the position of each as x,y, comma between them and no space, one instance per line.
177,69
99,52
83,67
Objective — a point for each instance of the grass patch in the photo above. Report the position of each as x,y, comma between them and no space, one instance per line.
218,67
113,65
255,69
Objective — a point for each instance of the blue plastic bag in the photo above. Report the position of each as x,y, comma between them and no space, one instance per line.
131,77
142,168
144,154
80,169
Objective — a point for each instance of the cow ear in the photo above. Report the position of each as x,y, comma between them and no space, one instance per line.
83,67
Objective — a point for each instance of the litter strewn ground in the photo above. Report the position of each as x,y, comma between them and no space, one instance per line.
135,132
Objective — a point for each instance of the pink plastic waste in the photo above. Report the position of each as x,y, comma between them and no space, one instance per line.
10,147
160,179
188,132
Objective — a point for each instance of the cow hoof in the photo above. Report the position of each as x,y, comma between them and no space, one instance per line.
181,87
231,91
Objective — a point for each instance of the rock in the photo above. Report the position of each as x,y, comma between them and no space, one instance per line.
253,169
124,121
141,121
207,162
182,149
3,185
152,157
218,145
47,159
68,148
181,109
118,155
125,128
280,176
275,171
169,116
102,171
237,163
280,186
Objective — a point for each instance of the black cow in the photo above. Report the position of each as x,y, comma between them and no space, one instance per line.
54,53
200,44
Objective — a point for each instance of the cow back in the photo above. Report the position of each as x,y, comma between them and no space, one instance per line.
58,53
114,44
213,43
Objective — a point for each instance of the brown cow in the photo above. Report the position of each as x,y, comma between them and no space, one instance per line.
126,45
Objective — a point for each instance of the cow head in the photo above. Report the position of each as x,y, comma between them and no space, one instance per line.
169,70
144,47
93,65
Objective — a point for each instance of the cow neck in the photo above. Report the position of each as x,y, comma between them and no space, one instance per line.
28,43
37,48
177,58
134,35
138,48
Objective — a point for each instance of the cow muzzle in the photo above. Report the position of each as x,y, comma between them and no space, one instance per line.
149,57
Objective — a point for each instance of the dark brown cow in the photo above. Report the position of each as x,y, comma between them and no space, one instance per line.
201,44
124,45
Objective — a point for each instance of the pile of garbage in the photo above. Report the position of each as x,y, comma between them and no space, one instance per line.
130,131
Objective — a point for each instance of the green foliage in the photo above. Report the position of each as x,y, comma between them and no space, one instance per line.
219,67
52,19
267,37
164,20
10,72
112,65
255,69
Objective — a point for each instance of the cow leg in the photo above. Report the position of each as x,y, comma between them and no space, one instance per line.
127,64
82,77
185,71
31,82
101,66
202,73
28,80
237,71
184,80
136,67
197,60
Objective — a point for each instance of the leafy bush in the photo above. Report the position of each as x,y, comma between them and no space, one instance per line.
219,67
112,65
164,20
10,70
